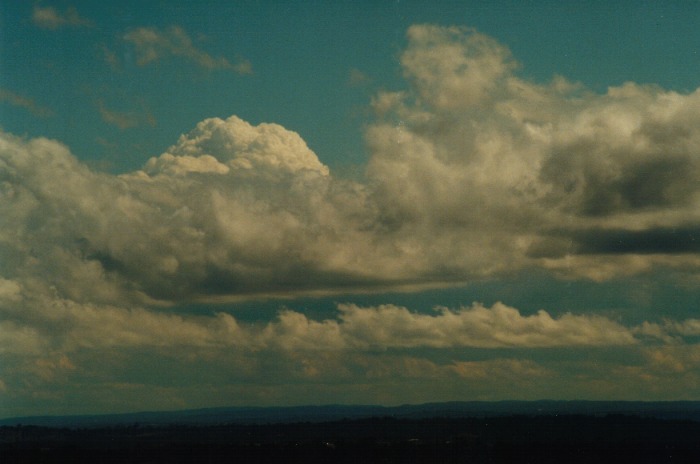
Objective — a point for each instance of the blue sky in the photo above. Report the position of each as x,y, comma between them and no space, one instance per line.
261,203
304,57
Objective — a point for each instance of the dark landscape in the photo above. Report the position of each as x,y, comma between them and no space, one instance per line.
542,432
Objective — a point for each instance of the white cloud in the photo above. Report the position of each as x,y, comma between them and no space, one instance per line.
185,164
152,44
45,320
476,326
454,67
241,146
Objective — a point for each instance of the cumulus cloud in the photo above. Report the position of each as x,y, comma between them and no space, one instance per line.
50,18
454,68
262,148
472,172
152,44
231,209
506,171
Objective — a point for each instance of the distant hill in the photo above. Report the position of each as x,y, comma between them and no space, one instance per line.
543,438
676,410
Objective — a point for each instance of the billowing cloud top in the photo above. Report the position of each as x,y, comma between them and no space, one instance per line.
216,145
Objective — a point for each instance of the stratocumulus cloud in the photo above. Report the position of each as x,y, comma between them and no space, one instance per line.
71,326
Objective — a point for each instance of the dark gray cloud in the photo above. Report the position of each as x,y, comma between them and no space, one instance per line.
610,182
664,240
684,239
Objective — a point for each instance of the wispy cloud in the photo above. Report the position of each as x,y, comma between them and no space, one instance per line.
357,78
27,103
50,18
152,44
110,57
243,66
125,120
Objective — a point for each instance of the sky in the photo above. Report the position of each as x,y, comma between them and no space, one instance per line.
265,203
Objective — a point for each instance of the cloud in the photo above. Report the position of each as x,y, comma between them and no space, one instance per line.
508,370
17,339
51,341
454,67
243,67
631,153
52,19
473,172
125,120
390,326
357,78
110,57
674,359
44,320
28,104
255,149
152,44
488,164
673,332
230,209
684,239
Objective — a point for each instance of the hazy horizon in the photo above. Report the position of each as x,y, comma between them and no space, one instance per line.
249,414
